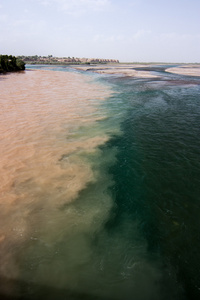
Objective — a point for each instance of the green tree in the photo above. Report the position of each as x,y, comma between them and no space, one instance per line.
11,63
20,64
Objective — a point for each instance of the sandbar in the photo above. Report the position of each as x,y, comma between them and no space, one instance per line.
188,70
122,69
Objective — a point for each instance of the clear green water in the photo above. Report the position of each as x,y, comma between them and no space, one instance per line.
134,232
157,177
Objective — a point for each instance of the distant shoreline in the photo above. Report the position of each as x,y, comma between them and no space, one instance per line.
138,70
142,70
51,60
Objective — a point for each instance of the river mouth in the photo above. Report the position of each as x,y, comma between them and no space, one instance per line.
99,189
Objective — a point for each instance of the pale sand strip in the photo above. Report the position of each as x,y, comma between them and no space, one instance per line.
128,72
189,70
125,70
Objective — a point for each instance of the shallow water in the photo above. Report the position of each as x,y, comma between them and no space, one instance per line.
100,186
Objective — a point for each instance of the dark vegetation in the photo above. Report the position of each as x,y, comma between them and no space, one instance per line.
9,63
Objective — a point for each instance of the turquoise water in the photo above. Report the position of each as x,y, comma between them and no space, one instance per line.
157,177
133,233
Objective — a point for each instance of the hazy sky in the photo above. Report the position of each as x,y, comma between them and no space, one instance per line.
128,30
